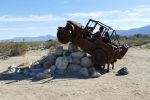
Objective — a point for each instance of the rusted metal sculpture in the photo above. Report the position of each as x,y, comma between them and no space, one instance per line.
102,44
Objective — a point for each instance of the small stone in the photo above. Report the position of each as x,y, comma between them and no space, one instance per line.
94,73
123,71
61,63
48,71
59,51
42,76
73,68
12,69
72,47
84,72
53,68
75,60
78,54
86,61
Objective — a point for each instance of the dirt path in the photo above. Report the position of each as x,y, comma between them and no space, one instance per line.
135,86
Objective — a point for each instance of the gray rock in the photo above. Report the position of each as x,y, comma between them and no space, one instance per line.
84,72
50,60
73,68
123,71
61,63
60,71
53,68
78,54
72,47
33,72
69,58
51,57
93,73
59,51
86,61
75,60
42,76
48,64
66,53
48,71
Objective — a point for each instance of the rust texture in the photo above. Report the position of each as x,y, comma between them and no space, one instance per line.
96,39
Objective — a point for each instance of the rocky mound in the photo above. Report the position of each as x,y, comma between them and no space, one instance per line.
60,62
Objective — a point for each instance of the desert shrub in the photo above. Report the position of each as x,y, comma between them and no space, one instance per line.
136,40
53,43
17,49
35,45
13,48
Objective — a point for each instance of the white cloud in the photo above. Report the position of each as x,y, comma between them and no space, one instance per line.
93,14
139,16
31,18
21,28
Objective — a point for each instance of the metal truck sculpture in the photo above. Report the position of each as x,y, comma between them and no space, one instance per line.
96,39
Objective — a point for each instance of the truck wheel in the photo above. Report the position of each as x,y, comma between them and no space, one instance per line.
99,57
63,35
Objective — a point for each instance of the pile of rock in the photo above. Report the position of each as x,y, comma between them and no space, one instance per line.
62,61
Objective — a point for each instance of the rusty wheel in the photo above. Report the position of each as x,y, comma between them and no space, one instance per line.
63,35
99,57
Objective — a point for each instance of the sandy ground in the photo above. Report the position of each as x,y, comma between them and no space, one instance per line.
135,86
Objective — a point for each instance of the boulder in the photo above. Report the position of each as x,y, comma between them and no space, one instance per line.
51,57
69,58
73,68
53,68
48,71
86,61
84,72
72,47
94,73
49,63
60,71
59,51
123,71
66,53
78,54
75,60
61,63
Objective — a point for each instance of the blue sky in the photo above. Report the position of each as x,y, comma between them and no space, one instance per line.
30,18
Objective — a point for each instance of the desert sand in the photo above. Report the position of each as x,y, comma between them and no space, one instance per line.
134,86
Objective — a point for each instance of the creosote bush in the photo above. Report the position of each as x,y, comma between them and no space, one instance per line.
50,44
13,48
17,49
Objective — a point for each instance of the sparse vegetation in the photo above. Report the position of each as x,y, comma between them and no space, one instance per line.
13,48
20,48
54,44
136,40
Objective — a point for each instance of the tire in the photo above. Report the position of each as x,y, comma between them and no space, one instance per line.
63,35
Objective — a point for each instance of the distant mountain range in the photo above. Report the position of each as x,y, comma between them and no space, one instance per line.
141,30
130,32
30,39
